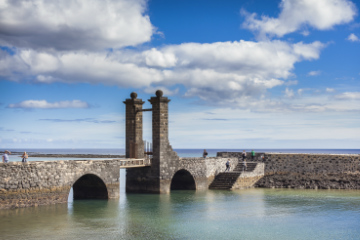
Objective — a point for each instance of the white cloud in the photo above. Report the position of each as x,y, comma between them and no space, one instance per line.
166,91
155,58
289,93
43,104
314,73
348,96
74,24
211,71
302,90
353,38
330,90
71,45
295,14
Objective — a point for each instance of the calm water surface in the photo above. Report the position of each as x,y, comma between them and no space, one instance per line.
243,214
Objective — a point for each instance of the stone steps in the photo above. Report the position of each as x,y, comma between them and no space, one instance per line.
250,166
226,180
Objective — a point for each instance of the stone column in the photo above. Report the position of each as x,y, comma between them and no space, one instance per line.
134,127
164,158
160,130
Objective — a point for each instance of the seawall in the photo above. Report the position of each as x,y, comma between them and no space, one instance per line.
307,171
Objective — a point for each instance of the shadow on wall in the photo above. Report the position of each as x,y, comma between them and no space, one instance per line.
183,180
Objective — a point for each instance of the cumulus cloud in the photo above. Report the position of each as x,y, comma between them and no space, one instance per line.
74,24
155,58
211,71
314,73
72,46
43,104
330,90
353,38
348,96
296,14
166,91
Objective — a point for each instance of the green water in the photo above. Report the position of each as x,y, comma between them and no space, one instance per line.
244,214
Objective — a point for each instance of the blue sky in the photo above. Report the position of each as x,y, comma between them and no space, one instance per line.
240,74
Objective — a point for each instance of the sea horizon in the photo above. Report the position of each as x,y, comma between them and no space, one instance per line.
182,152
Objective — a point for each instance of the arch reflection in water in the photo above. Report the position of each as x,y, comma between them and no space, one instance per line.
183,180
90,186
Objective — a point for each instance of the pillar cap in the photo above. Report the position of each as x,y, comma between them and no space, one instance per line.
133,95
159,93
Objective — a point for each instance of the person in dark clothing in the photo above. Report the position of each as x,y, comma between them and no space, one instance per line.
205,153
244,160
243,155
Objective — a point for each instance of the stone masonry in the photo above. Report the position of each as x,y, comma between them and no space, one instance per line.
307,171
134,126
165,162
49,182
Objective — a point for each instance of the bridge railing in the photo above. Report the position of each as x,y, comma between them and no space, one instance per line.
128,163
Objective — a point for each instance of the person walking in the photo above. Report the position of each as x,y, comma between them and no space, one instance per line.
205,153
244,160
6,156
24,157
244,155
252,155
227,164
244,164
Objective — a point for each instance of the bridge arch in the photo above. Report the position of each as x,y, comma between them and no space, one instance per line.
183,180
90,186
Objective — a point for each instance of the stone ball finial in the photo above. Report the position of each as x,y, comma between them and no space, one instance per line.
133,95
159,93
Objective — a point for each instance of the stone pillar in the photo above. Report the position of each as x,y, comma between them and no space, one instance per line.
157,178
164,159
160,130
134,127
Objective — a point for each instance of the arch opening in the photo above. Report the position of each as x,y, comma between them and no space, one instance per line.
90,186
183,180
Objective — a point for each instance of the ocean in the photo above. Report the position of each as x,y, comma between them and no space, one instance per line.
214,214
181,152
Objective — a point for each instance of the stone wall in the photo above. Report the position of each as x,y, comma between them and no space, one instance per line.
204,170
49,182
313,171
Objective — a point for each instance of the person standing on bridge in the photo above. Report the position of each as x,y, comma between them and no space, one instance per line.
6,156
24,157
252,155
205,153
243,155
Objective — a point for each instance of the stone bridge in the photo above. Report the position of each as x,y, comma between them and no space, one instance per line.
49,182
